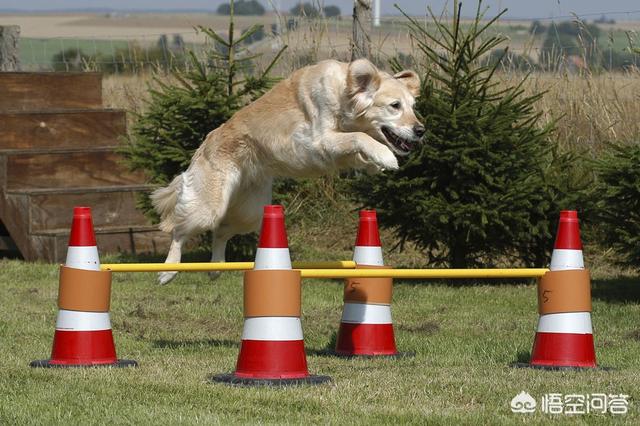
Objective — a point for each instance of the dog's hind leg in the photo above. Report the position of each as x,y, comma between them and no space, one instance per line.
175,253
202,202
244,216
218,248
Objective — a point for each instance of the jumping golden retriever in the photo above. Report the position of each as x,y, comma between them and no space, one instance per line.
324,118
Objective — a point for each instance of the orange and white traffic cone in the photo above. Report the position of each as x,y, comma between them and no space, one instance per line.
83,336
564,338
366,328
272,350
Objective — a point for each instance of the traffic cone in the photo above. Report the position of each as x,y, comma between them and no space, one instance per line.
83,335
366,328
564,338
272,350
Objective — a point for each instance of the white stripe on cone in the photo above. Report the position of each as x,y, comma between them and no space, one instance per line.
566,259
272,328
368,255
362,313
569,322
82,321
272,258
83,257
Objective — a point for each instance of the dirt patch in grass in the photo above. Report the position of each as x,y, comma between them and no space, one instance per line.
635,335
427,328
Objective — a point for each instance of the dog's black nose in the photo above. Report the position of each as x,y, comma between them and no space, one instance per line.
419,130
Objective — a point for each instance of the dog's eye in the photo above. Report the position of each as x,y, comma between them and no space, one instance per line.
396,105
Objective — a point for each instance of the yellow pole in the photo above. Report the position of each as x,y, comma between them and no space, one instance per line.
314,270
424,273
215,266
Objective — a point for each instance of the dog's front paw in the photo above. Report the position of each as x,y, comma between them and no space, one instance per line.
384,159
165,277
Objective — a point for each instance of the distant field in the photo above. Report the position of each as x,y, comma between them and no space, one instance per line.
96,26
45,35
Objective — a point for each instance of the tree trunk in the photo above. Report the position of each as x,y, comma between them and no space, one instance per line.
361,42
458,252
9,59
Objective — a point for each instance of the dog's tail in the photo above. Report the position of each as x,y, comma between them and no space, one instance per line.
164,201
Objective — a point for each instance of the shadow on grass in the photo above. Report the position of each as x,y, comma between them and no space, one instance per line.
523,357
617,290
624,289
463,282
425,328
177,344
329,348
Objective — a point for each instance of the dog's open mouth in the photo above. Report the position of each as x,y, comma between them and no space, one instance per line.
402,146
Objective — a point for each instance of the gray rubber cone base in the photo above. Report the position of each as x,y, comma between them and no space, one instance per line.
232,379
46,363
558,367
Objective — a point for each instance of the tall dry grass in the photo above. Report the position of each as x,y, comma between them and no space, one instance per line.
590,110
127,91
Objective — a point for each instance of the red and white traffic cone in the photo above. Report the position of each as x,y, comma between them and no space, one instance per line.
366,328
272,350
368,248
83,336
273,247
564,338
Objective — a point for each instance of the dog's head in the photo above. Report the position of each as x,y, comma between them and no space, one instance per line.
381,105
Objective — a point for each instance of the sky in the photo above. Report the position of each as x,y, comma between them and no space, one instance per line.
617,9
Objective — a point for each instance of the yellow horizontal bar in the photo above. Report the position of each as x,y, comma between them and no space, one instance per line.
215,266
424,273
330,270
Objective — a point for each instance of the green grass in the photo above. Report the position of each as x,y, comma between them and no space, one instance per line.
464,337
38,53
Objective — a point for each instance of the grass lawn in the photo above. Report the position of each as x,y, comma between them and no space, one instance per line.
38,53
464,338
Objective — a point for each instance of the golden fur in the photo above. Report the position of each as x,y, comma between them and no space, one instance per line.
323,118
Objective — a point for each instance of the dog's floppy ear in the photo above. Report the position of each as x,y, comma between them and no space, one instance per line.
411,80
363,80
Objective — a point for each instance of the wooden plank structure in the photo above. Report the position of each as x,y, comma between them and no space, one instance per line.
58,150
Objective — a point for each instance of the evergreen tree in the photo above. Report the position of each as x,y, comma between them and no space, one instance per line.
486,186
242,7
332,11
179,116
617,196
307,9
